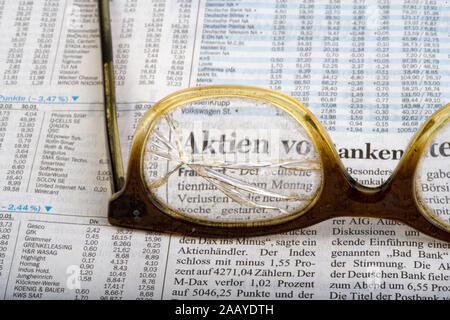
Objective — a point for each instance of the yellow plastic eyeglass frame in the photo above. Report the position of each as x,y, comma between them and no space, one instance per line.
340,195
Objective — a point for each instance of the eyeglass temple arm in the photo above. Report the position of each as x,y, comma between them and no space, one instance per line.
109,92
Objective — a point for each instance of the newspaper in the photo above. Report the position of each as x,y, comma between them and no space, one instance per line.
371,72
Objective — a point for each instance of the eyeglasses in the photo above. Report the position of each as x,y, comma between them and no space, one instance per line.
233,161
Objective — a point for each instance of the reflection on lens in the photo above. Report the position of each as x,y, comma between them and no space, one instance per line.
433,176
231,160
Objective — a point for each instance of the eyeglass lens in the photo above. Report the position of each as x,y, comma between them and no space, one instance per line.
231,159
432,177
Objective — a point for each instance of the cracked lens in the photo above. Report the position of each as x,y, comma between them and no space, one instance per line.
433,176
231,160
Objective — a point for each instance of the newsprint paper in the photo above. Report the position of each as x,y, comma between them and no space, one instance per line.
370,71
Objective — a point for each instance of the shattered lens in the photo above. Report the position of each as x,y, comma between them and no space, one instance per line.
231,160
433,177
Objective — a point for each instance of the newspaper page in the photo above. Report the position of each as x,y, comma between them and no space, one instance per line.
370,71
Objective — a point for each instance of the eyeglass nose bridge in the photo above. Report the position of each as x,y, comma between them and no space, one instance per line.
376,202
342,196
